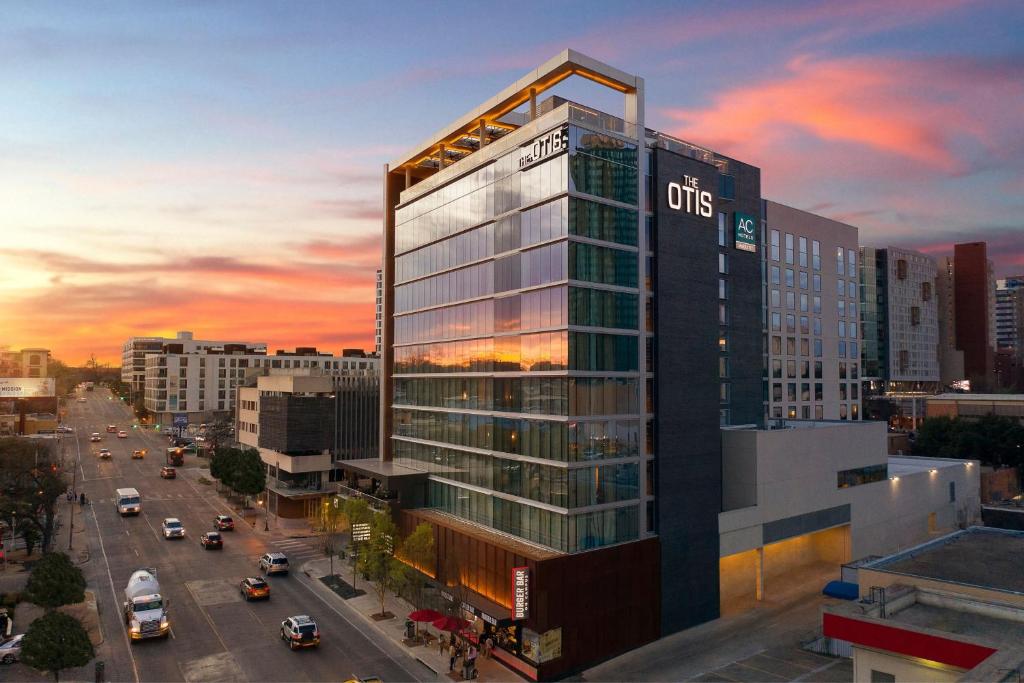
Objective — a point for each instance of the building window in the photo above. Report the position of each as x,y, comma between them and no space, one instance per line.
817,390
803,279
722,289
723,314
723,263
803,252
776,321
776,345
862,475
726,186
791,392
915,315
776,275
790,346
817,283
775,245
721,230
789,277
723,367
842,411
789,248
723,392
817,348
816,254
776,368
926,291
840,261
819,413
901,269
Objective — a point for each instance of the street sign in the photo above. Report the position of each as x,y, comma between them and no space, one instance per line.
361,532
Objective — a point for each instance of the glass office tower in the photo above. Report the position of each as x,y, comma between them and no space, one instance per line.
516,367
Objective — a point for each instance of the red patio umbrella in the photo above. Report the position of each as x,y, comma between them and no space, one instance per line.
450,624
427,615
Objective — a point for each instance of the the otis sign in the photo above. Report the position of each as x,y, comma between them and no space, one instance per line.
543,147
687,196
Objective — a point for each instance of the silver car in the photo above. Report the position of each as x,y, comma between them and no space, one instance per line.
10,650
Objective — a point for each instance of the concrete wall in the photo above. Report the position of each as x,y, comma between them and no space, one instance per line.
905,670
999,485
796,474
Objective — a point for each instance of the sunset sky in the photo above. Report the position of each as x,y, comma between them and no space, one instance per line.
215,166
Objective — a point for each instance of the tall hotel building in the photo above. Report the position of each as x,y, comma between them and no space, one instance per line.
570,310
811,313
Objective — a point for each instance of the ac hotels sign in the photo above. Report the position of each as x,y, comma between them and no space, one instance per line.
687,196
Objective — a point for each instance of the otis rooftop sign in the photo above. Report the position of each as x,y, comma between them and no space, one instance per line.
687,196
545,146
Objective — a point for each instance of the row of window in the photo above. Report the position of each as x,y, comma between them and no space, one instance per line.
805,392
565,533
558,486
531,395
548,439
851,412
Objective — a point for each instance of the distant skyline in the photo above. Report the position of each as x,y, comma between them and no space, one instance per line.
216,167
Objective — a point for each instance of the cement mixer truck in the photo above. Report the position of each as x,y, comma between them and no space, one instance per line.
145,609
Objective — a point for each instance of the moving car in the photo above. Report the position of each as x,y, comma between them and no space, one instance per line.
95,437
223,523
300,631
10,650
138,454
167,431
64,429
122,434
173,528
112,429
81,399
104,454
168,473
212,539
253,587
274,563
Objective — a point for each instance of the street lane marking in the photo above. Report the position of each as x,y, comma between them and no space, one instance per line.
113,593
206,616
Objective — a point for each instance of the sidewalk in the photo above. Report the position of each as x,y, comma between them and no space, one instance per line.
394,628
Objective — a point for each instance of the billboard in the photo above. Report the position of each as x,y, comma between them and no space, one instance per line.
27,387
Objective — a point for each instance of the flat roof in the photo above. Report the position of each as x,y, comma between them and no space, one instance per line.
900,465
979,556
375,467
977,397
960,622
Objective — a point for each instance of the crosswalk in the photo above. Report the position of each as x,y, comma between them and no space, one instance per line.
296,549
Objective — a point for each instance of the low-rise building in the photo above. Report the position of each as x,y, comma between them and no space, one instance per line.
24,363
135,349
303,426
951,609
976,405
803,498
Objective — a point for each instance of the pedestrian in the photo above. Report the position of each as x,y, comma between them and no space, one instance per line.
472,660
442,643
453,652
81,499
488,646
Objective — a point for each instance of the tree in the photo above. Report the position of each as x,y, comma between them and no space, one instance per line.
32,482
54,642
357,511
55,581
30,535
332,518
995,440
377,559
418,551
224,466
218,434
250,478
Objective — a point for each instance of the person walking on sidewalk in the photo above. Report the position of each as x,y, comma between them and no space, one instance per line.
442,644
453,653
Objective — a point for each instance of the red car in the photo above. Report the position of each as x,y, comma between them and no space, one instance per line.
168,473
211,540
223,523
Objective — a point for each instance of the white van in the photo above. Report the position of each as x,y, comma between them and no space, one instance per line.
128,502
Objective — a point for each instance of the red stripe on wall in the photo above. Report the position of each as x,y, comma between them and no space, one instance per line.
911,643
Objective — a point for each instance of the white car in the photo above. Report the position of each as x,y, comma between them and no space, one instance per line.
173,528
81,399
10,650
122,434
95,437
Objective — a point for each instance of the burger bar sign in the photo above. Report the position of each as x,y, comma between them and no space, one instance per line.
687,196
520,592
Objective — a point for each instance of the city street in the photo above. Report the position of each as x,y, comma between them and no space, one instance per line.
215,634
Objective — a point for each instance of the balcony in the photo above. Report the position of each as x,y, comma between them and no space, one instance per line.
378,504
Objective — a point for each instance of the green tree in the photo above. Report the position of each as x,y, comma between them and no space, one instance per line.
332,522
995,440
55,642
250,478
224,466
377,557
418,551
55,581
32,482
30,535
357,511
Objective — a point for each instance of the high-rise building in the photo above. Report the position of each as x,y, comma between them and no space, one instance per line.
554,283
951,358
379,314
812,335
975,311
1009,291
900,321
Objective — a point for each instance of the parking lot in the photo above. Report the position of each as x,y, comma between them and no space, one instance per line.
783,664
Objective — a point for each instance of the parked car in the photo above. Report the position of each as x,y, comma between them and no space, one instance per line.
167,431
253,587
274,563
168,473
95,437
138,454
122,434
300,631
212,539
10,650
173,528
223,523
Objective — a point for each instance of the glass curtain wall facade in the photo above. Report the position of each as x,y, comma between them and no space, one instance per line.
516,378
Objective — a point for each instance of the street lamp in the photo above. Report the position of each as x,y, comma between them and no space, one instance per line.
266,515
